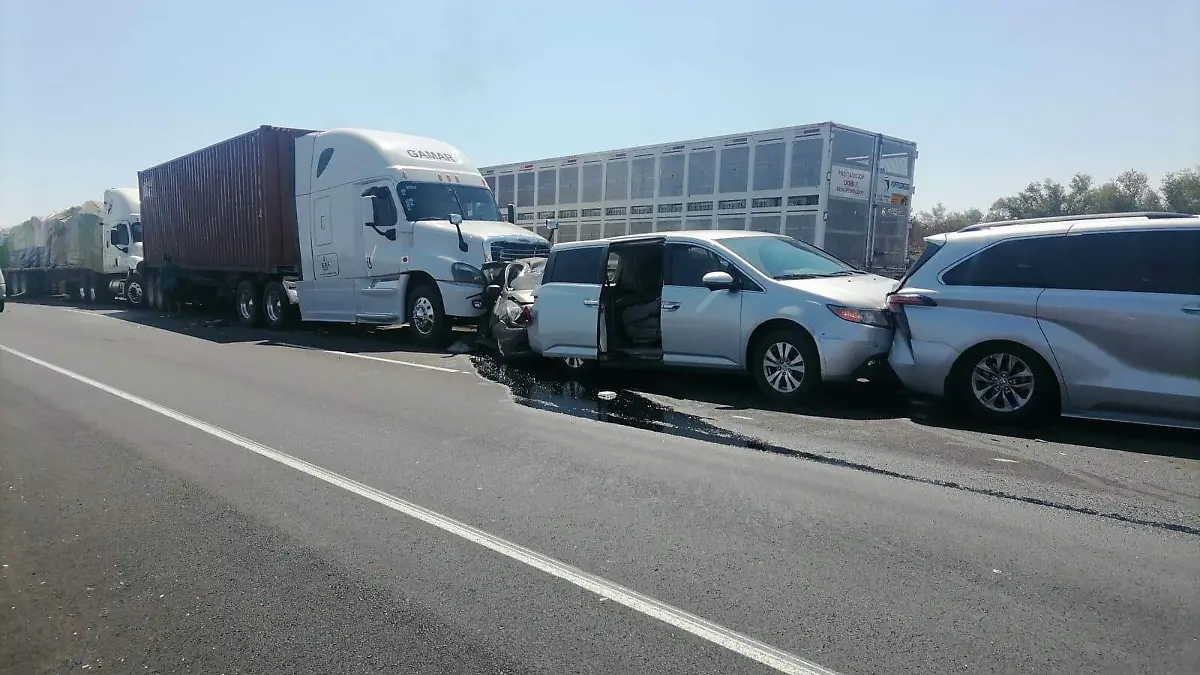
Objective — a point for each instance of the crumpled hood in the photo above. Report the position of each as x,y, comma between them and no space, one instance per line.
864,291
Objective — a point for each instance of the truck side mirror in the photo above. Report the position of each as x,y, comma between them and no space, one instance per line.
377,201
511,213
455,219
112,237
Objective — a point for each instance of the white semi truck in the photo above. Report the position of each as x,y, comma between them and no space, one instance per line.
85,253
347,225
122,238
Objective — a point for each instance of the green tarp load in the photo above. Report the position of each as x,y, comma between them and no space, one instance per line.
26,244
73,237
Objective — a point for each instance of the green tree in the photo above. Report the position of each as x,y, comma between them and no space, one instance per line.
1130,191
1181,191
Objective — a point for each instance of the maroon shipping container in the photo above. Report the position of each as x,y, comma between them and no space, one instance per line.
227,208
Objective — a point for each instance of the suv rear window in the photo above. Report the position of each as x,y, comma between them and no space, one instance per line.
1015,263
581,265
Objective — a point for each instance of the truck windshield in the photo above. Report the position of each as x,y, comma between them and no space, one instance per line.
135,230
436,201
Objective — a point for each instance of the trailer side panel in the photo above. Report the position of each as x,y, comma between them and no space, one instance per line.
229,207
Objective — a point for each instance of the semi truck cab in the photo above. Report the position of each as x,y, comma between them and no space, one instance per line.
394,228
121,238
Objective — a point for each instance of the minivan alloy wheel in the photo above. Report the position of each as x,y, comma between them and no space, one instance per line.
1002,382
783,367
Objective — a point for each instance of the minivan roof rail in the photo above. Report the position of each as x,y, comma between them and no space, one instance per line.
1058,219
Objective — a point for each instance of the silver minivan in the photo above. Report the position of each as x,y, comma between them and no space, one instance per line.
1090,316
787,313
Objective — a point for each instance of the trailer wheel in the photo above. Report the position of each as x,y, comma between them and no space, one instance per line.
278,310
249,311
427,317
135,291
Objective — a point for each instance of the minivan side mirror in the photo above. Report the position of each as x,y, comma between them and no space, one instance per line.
718,281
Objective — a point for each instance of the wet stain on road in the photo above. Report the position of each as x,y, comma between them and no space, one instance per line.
538,386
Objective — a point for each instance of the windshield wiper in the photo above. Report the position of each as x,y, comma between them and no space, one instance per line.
793,277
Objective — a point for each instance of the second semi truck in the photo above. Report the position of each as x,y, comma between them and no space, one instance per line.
347,225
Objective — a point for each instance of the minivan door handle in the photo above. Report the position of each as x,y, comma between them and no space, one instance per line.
670,306
592,303
1192,309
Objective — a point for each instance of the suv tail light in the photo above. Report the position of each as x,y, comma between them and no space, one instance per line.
898,300
524,317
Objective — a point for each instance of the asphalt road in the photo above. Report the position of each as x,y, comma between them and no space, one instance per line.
150,523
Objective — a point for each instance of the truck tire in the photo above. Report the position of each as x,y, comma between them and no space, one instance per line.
135,291
427,317
247,304
278,311
153,294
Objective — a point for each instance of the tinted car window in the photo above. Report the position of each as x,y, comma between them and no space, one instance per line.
1016,263
576,266
1163,261
689,264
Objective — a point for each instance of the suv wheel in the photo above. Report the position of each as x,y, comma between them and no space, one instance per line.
1003,383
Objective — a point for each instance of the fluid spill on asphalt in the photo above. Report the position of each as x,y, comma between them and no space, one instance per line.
537,386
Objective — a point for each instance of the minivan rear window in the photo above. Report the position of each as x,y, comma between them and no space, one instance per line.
581,265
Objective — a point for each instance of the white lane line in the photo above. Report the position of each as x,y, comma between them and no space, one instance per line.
83,312
1006,461
394,362
735,642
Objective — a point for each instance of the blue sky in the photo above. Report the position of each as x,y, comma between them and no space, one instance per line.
995,94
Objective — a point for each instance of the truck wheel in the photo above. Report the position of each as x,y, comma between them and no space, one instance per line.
427,317
249,310
154,293
135,291
278,309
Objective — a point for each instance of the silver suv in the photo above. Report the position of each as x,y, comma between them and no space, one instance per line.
1090,316
787,313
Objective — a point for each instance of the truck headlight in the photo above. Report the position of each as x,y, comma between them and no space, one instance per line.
466,274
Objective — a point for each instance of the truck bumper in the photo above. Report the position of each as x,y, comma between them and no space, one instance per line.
462,301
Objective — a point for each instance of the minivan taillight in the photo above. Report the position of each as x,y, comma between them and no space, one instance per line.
898,300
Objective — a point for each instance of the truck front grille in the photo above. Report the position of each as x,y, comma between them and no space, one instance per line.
508,251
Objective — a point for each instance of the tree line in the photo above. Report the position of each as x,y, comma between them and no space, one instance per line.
1179,192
